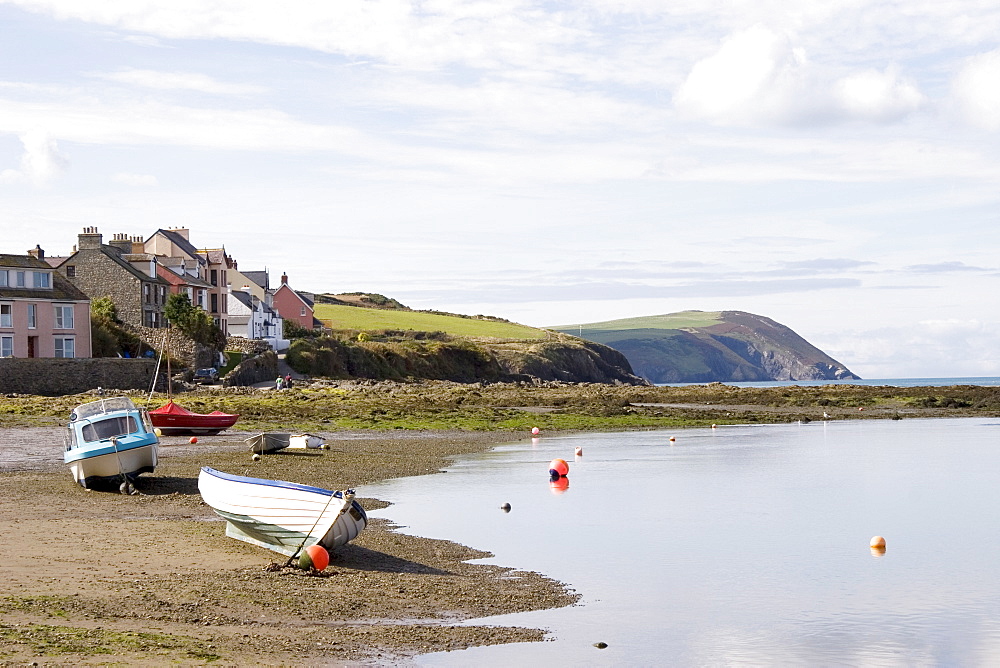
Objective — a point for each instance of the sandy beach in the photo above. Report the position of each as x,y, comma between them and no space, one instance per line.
97,577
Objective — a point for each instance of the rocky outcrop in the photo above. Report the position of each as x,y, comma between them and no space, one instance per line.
556,357
565,358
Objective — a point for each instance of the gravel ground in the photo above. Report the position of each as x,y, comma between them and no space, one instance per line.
97,577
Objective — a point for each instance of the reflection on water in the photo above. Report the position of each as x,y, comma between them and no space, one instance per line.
739,545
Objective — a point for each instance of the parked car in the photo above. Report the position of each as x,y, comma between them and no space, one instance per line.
209,376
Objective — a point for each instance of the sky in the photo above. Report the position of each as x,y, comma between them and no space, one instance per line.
832,165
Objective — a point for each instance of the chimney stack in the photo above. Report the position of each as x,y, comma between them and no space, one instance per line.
122,242
91,239
284,278
37,252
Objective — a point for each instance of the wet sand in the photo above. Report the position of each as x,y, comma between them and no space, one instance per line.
151,579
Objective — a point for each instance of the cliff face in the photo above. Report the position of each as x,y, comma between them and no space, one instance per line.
728,346
565,358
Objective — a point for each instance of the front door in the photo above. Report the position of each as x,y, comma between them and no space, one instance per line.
32,346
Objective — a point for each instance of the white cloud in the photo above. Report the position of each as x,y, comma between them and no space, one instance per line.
976,90
191,81
760,76
41,162
930,348
135,180
878,96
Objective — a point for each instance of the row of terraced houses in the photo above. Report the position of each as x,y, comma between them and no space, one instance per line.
45,299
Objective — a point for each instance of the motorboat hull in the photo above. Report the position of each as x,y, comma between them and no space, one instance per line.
110,442
172,419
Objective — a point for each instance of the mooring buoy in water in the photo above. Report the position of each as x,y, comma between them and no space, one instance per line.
558,468
505,507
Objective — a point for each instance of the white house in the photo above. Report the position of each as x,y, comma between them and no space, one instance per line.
253,318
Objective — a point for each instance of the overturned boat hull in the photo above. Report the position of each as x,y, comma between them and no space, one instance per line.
268,442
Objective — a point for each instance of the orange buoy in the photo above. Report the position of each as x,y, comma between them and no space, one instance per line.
877,542
193,439
558,467
314,556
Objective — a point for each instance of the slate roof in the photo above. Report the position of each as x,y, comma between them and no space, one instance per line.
215,255
243,298
62,289
180,242
260,278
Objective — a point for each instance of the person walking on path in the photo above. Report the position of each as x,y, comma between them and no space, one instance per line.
277,383
288,381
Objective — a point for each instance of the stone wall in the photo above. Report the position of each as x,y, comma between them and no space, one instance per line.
178,346
249,347
55,377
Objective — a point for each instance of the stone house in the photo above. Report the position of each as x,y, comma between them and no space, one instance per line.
296,306
41,313
113,270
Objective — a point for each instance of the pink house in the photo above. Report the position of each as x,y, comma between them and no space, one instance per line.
41,313
292,305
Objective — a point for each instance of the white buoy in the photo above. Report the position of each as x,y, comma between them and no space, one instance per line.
256,457
578,452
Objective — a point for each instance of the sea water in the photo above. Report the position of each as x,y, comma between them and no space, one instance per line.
745,545
981,381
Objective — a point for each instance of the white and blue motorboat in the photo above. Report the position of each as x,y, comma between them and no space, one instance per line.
285,517
111,442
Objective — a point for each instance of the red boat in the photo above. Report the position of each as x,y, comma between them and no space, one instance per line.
173,419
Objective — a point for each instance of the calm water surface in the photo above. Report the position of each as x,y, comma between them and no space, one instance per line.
739,545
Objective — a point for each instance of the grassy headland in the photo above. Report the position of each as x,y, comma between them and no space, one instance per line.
340,317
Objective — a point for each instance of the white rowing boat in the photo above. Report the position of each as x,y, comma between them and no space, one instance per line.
285,517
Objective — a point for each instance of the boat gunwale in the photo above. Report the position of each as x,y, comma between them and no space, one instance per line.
231,477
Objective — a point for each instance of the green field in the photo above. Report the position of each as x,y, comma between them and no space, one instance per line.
372,319
682,320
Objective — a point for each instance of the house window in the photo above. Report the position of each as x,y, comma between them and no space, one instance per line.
302,311
71,271
32,316
145,292
41,279
6,315
19,279
215,303
64,317
6,346
215,277
3,278
65,347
